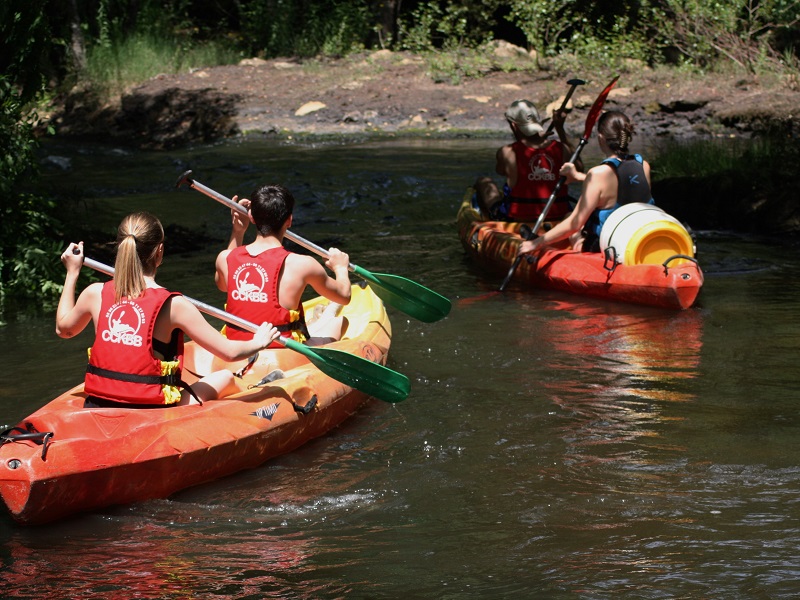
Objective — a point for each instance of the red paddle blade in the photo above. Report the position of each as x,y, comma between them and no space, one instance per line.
594,112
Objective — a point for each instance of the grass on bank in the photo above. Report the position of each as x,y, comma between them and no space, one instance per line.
112,68
746,160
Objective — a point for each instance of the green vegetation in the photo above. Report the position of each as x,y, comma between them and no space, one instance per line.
113,67
302,28
754,36
112,44
26,222
744,184
744,161
702,158
101,47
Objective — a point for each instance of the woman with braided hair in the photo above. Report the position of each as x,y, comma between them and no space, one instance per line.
620,179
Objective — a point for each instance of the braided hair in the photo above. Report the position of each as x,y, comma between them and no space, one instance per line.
617,130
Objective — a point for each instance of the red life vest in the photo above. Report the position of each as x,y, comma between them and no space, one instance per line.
537,174
253,294
122,366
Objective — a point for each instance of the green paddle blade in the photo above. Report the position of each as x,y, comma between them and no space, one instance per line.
369,377
407,296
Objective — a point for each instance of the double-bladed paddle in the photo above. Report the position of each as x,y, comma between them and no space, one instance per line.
591,119
371,378
405,295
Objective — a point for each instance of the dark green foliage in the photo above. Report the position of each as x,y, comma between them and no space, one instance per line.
27,223
304,28
448,25
25,43
28,248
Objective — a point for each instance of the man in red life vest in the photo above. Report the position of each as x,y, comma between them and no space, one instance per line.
531,167
265,282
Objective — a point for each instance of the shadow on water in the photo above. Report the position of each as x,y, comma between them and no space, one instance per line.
551,446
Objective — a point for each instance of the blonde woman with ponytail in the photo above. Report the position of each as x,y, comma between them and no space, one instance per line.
620,179
137,354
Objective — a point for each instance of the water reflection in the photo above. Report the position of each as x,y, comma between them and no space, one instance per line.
619,372
618,379
178,558
621,375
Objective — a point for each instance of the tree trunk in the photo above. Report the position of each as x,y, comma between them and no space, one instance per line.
387,12
77,45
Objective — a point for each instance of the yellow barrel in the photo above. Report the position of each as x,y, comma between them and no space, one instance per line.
643,234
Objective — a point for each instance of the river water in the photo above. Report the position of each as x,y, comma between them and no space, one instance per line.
551,447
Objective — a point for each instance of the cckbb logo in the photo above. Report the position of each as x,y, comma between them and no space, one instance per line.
541,168
124,320
251,279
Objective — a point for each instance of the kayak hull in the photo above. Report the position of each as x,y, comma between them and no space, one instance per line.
493,245
100,457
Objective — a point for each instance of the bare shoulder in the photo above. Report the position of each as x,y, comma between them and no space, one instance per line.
301,267
181,310
601,172
181,304
301,260
93,290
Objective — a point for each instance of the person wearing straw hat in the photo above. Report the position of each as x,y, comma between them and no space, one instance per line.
530,166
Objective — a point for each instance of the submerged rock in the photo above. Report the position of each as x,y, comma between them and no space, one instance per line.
61,162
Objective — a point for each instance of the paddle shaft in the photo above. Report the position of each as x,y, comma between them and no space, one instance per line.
236,206
591,119
202,306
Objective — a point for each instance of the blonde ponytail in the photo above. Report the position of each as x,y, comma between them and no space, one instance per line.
138,238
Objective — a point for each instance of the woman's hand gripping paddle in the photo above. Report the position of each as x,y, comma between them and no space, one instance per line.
369,377
591,119
405,295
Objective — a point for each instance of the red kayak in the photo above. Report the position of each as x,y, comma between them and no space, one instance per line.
64,458
673,283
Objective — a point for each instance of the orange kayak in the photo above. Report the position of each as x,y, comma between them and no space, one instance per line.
65,459
674,283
